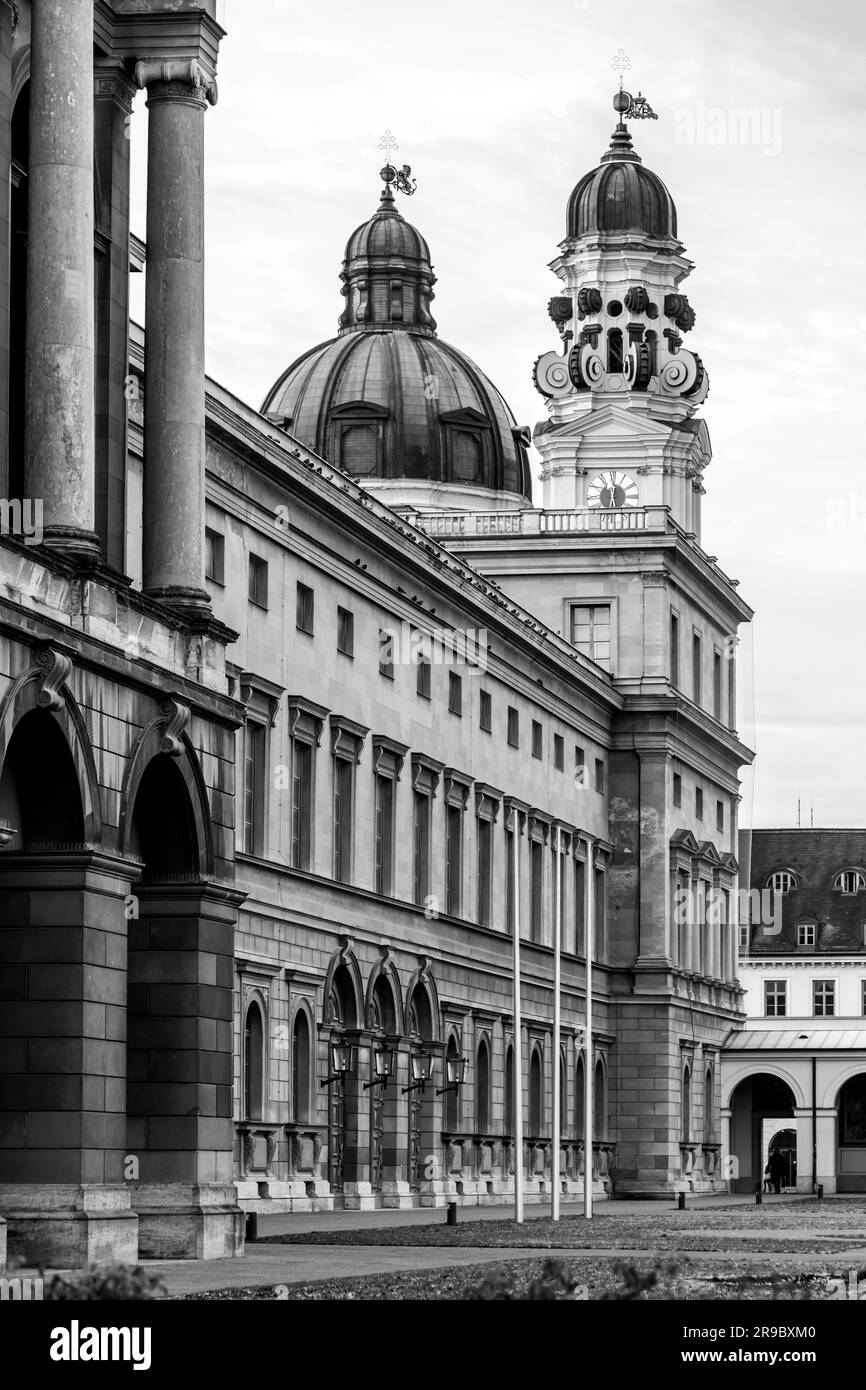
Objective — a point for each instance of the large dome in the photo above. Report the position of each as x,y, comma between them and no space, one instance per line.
621,197
390,403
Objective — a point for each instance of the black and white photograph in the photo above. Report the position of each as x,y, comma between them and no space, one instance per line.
432,733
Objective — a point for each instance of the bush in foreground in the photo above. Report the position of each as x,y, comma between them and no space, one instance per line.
126,1283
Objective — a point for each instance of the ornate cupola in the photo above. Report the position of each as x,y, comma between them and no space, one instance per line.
623,381
412,418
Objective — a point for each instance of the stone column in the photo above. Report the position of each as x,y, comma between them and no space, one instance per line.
59,370
178,92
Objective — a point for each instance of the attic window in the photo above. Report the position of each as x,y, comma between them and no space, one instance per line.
465,457
807,933
359,450
850,881
782,882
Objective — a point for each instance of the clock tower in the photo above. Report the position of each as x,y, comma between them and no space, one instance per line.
613,562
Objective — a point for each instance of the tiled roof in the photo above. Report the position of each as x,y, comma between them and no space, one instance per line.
816,857
795,1040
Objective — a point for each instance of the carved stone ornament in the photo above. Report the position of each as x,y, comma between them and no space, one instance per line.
551,375
271,1142
187,71
249,1149
176,717
55,671
589,301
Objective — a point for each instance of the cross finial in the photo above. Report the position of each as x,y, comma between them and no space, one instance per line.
388,143
621,63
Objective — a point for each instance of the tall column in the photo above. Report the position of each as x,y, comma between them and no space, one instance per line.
59,408
178,92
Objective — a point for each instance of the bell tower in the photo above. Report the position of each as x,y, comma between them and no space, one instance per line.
623,389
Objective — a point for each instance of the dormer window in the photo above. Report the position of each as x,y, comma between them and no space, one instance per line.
782,882
467,440
850,881
807,933
357,438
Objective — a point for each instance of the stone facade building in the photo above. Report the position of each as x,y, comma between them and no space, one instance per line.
286,697
794,1078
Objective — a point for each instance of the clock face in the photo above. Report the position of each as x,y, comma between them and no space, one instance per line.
612,489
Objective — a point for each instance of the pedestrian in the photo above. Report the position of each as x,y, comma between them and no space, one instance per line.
777,1167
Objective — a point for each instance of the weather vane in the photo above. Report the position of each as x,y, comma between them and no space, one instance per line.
401,178
630,108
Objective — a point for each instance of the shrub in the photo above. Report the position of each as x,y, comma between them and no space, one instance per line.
125,1283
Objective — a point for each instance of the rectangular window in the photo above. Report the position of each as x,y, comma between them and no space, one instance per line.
863,997
536,901
485,716
421,848
384,865
302,803
744,936
455,693
732,691
453,860
675,650
536,739
510,842
485,869
599,774
513,727
678,789
344,783
600,914
697,660
423,681
255,742
699,803
806,933
579,907
214,556
258,581
579,766
559,752
720,815
345,631
304,608
590,630
386,653
776,998
824,998
717,684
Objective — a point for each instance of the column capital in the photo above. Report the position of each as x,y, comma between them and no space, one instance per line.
180,79
112,81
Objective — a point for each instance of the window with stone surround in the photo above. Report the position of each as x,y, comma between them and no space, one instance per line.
590,630
776,998
807,933
254,1062
302,1084
347,741
258,581
214,556
824,998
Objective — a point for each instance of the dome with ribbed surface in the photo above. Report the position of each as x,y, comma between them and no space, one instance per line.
621,198
386,399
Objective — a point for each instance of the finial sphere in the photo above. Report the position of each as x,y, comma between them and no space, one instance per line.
622,101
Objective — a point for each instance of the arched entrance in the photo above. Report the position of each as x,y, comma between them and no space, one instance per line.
386,1151
781,1156
761,1107
180,1046
423,1141
341,1018
62,993
851,1142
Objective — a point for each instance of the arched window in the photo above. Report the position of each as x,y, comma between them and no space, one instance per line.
652,340
509,1090
254,1068
784,881
686,1105
452,1097
482,1088
599,1102
563,1094
850,881
301,1068
466,457
709,1108
580,1099
614,350
359,450
536,1094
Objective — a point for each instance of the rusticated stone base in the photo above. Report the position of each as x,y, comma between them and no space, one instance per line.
180,1221
69,1226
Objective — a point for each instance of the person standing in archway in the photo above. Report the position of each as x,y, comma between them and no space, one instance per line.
777,1166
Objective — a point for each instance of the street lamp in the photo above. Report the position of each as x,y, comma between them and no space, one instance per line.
383,1065
421,1064
342,1062
455,1070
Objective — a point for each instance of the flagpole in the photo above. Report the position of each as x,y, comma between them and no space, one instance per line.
517,1079
588,1054
557,947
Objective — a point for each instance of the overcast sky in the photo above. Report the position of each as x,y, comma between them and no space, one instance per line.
500,106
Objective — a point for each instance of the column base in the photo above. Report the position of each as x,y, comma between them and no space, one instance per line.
397,1196
68,1226
187,603
359,1196
185,1221
74,544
